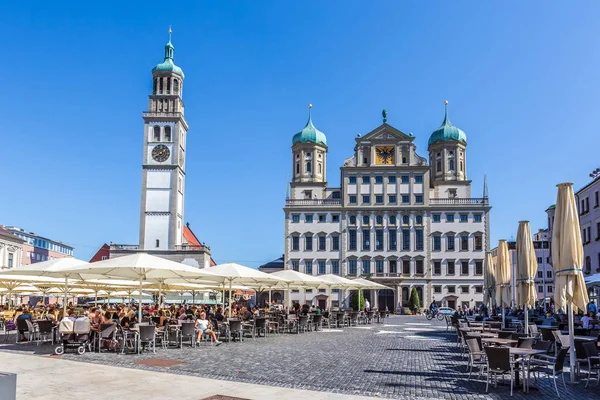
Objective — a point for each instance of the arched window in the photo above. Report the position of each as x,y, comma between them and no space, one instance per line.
176,86
366,220
588,264
157,133
167,133
168,86
308,167
352,220
461,166
451,165
379,220
154,86
297,168
160,86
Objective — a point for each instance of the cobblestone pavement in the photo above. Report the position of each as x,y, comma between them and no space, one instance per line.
408,358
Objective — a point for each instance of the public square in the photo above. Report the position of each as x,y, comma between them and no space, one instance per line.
407,358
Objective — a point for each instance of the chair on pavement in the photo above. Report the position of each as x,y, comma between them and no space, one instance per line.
107,333
302,323
221,330
552,368
533,331
476,357
25,328
318,322
499,363
147,334
235,329
45,331
187,333
504,335
249,327
593,360
525,343
260,325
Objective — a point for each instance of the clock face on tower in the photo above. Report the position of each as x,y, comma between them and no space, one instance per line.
160,153
384,155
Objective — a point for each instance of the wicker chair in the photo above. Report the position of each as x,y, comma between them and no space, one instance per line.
499,363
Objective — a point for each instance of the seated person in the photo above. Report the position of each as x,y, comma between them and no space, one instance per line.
246,314
203,326
219,314
25,315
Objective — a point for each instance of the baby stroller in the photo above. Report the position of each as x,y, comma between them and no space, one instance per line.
74,334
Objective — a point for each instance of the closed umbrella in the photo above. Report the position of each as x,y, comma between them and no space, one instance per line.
567,261
489,280
503,277
526,269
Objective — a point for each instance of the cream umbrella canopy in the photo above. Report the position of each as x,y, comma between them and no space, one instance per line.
526,270
367,284
489,280
503,277
9,280
567,261
337,282
295,279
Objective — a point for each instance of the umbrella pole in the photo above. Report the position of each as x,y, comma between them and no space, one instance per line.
526,319
573,361
230,308
160,297
96,298
503,313
65,299
289,297
140,305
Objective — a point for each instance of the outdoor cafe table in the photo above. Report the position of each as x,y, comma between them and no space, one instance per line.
526,354
499,341
482,334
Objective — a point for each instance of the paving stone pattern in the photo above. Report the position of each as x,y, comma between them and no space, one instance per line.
408,358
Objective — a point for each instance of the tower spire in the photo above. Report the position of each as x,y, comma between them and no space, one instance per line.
169,49
485,187
446,120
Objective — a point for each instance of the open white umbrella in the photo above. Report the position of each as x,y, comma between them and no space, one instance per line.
9,279
526,270
567,261
295,279
337,282
231,273
370,285
489,280
503,278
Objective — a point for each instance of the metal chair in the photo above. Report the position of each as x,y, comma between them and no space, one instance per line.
107,332
525,343
499,363
552,368
318,322
260,325
593,359
187,332
235,329
249,327
302,323
476,357
146,334
45,330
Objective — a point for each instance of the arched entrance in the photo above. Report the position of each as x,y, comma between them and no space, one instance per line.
450,301
321,301
404,300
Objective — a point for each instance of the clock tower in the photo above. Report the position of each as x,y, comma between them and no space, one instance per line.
163,166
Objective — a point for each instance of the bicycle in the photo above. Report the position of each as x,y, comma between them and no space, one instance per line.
435,314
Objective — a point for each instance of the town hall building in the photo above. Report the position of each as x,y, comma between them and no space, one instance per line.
398,218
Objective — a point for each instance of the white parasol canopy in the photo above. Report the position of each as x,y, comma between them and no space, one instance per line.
526,270
296,279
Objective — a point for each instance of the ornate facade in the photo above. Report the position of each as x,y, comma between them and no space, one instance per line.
395,219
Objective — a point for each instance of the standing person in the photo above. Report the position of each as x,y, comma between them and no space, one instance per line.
592,307
203,326
367,305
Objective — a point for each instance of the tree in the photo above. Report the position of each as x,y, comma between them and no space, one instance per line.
354,304
414,301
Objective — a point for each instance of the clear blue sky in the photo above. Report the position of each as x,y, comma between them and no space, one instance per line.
521,78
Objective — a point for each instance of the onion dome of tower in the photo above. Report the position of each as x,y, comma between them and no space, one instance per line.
168,65
447,131
309,133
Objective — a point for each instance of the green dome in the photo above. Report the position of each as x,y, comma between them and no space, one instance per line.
310,134
168,65
447,132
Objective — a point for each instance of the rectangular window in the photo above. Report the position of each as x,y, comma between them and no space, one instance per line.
351,267
392,198
308,267
405,199
450,242
437,289
10,260
404,179
366,267
436,217
451,289
464,218
451,269
549,289
308,242
540,274
449,217
335,243
365,179
379,266
418,239
596,199
405,267
393,266
352,180
379,179
308,218
437,243
335,218
366,199
478,289
478,267
352,239
391,179
322,242
549,274
392,239
540,289
366,242
295,242
379,199
335,267
352,199
539,260
464,268
477,217
322,217
419,199
464,242
295,218
321,267
379,239
418,179
478,242
405,239
296,265
419,267
464,289
437,267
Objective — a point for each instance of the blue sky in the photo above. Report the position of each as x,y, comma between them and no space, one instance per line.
521,79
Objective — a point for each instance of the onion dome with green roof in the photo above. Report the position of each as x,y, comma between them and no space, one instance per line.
310,133
447,131
168,65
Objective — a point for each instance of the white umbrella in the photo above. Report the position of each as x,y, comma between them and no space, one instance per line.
567,261
10,280
370,285
526,270
334,281
489,280
295,279
235,273
503,277
140,267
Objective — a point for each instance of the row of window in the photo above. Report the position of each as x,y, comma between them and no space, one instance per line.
45,244
451,217
379,179
401,266
451,289
540,274
156,134
540,289
463,242
586,233
588,264
163,85
392,198
584,205
321,242
310,218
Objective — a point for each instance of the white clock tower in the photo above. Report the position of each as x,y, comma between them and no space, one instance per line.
163,167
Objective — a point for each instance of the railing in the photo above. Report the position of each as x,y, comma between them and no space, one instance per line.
191,247
456,200
313,202
387,275
124,246
162,114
